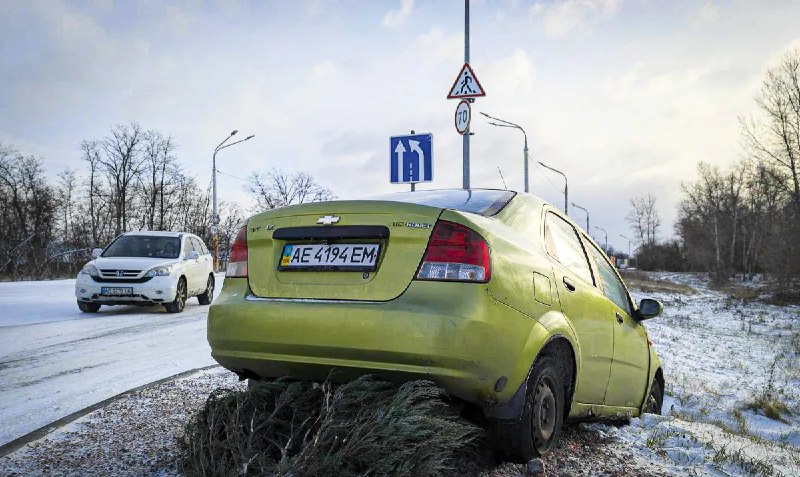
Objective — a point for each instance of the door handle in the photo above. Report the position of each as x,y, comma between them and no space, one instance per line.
568,284
620,320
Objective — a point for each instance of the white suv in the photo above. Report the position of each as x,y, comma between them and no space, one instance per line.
147,268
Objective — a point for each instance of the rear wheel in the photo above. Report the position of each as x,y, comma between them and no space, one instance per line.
655,400
539,428
88,307
177,305
208,295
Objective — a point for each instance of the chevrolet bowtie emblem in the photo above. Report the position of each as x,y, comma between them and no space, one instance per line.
328,220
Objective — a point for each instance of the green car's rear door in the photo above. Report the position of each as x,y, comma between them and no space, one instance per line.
583,304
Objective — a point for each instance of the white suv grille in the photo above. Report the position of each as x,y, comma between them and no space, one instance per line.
121,274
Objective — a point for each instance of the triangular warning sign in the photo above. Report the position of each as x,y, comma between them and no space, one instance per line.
466,85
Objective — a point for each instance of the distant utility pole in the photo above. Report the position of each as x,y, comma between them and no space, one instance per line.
508,124
566,186
587,214
629,244
215,214
606,233
465,170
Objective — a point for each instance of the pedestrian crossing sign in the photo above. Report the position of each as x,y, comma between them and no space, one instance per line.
466,85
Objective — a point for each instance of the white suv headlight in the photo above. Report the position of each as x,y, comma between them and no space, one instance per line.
158,272
90,270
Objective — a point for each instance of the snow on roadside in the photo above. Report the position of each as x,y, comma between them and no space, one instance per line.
132,436
719,356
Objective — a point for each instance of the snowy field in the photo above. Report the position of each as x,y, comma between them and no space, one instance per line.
55,360
723,360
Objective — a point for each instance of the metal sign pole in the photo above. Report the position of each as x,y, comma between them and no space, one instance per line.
413,185
466,60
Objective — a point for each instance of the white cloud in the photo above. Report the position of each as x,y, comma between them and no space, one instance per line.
396,19
707,14
562,18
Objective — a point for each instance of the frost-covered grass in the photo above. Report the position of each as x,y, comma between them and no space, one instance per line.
732,383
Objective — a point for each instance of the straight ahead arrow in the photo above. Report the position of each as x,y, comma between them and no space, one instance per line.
399,150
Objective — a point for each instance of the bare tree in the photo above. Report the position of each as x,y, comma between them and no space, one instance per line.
27,211
122,163
278,189
776,136
159,172
644,219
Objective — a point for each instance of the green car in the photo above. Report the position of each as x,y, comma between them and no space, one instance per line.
496,296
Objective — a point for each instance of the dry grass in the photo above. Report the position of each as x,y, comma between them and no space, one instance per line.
647,283
299,428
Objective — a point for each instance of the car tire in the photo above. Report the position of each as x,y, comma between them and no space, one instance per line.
655,400
208,295
88,307
178,304
539,428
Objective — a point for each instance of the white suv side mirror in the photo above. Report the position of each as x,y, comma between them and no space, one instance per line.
96,252
193,255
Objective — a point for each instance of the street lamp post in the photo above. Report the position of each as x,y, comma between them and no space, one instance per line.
606,233
629,244
587,215
508,124
215,215
566,186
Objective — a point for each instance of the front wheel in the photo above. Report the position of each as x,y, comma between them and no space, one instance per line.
539,428
177,305
88,307
208,295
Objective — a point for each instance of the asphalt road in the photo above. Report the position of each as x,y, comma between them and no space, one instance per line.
55,360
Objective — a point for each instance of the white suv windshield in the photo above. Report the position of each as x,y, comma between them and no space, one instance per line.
144,246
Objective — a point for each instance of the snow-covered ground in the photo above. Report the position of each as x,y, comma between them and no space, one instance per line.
55,360
719,357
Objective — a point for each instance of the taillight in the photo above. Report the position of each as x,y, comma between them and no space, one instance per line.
237,260
456,253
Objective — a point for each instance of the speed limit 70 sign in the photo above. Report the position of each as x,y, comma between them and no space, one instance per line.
463,116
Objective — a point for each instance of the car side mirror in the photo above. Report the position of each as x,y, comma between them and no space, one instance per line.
96,252
193,255
649,308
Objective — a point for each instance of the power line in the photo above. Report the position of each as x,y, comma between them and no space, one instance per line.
231,175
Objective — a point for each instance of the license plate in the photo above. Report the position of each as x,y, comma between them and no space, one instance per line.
361,257
116,291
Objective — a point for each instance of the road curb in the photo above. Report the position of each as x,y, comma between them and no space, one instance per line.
19,442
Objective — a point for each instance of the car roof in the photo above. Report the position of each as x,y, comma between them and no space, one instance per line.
156,233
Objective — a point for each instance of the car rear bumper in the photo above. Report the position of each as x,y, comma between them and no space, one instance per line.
454,334
156,291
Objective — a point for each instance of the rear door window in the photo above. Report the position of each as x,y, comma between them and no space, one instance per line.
613,288
562,242
202,247
197,245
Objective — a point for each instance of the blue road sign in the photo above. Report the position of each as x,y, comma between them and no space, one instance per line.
411,158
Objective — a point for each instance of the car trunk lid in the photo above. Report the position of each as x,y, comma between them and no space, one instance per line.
396,233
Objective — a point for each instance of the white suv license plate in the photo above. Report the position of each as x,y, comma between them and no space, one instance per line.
360,257
116,291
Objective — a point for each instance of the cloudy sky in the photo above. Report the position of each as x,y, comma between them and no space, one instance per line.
624,96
